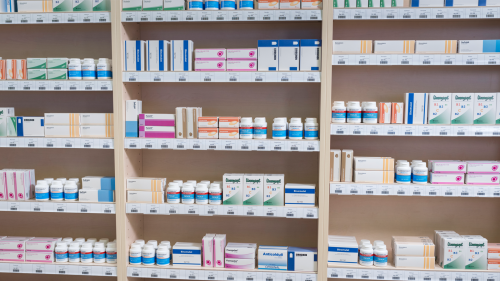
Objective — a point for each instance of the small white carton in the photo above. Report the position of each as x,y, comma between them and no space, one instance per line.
99,119
216,54
483,167
427,3
97,131
157,55
151,197
452,252
439,108
436,46
297,194
274,185
342,250
152,5
414,262
146,184
209,65
416,107
374,176
289,55
207,246
302,259
233,189
441,178
346,165
186,254
219,247
335,160
442,166
134,55
476,253
30,127
373,163
268,55
273,257
485,108
170,5
62,131
242,54
241,250
310,55
133,109
240,263
482,179
181,55
253,189
69,119
132,5
241,65
345,47
462,108
44,256
393,46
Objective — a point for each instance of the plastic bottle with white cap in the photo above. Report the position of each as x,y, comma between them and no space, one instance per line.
353,112
311,129
201,194
67,240
403,173
89,69
74,252
295,129
366,255
195,5
173,193
163,255
193,182
279,128
99,252
215,194
104,69
179,182
49,180
188,193
135,254
87,252
260,128
111,255
104,240
380,256
92,240
246,128
339,112
42,191
56,191
148,255
62,180
70,191
61,252
370,112
75,69
420,173
141,242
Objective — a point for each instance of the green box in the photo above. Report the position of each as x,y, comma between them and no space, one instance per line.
57,63
36,63
57,74
82,5
37,74
101,5
11,126
132,5
62,5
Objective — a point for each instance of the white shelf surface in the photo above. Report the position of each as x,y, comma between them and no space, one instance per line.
417,59
415,130
44,18
223,144
223,76
392,13
410,274
39,142
56,85
464,190
237,15
205,273
223,210
57,207
86,269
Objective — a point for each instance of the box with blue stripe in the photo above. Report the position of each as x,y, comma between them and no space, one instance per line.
186,254
478,46
181,55
134,55
416,107
289,55
310,55
297,194
268,55
157,55
302,259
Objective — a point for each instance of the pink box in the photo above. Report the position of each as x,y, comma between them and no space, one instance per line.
210,54
447,167
483,167
242,54
219,250
17,256
13,244
39,256
207,246
159,132
210,65
450,178
40,245
167,120
20,184
241,65
482,179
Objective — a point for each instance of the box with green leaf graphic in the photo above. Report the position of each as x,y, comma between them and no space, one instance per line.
12,126
253,186
233,189
37,74
101,5
462,108
274,190
53,74
82,5
485,108
57,63
36,63
152,5
62,5
132,5
439,108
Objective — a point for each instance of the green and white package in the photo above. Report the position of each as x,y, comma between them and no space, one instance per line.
462,108
36,63
439,108
57,63
101,5
82,5
37,74
12,126
53,74
132,5
452,252
172,5
485,108
274,190
476,253
152,5
498,110
62,5
232,191
253,186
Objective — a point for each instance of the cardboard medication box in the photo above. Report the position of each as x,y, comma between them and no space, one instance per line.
167,120
373,163
132,111
241,65
62,5
478,46
462,108
97,119
229,122
397,113
152,5
497,115
82,5
208,250
476,253
483,167
310,55
346,165
36,63
98,183
427,3
43,257
208,133
253,189
209,65
384,112
416,106
191,123
132,5
394,46
302,259
452,252
157,54
208,122
268,55
146,184
273,257
241,250
181,55
482,179
439,108
57,63
414,262
62,131
186,254
145,197
166,132
37,74
485,108
216,54
494,251
219,246
342,251
268,4
436,46
462,3
89,195
12,256
442,166
311,4
173,5
240,263
134,55
297,194
229,133
438,178
345,47
101,5
232,189
97,131
374,176
423,248
69,119
335,160
289,4
30,127
289,55
57,74
274,185
242,54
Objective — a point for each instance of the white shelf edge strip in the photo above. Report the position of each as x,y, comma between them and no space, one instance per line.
44,18
57,207
416,13
59,269
237,15
378,273
222,76
222,144
14,142
232,275
56,85
225,210
417,59
415,130
464,190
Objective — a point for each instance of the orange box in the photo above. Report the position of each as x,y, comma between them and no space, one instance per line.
208,133
229,133
3,72
208,122
229,122
268,4
312,4
21,67
384,112
397,113
289,4
494,251
493,264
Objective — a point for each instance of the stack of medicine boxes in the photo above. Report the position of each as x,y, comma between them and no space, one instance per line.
482,173
289,55
218,127
461,251
157,126
237,189
74,125
493,256
47,68
240,255
41,249
208,127
97,189
13,248
374,169
157,58
273,257
8,126
413,252
146,190
447,171
210,59
241,59
17,184
342,250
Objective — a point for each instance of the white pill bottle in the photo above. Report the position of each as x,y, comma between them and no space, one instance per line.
366,255
260,128
420,173
215,194
338,112
75,69
187,193
56,191
370,112
311,129
104,69
246,128
279,128
201,194
42,191
296,129
61,252
353,112
380,256
89,69
403,173
173,193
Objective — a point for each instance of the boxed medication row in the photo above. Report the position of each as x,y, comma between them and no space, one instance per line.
197,5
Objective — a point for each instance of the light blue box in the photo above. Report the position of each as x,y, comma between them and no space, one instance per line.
98,183
273,257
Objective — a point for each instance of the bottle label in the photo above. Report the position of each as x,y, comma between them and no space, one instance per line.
173,195
366,257
44,195
403,178
380,259
279,133
338,114
74,73
104,74
195,5
87,256
70,196
260,130
311,134
212,4
148,260
187,195
370,114
61,255
111,255
295,134
163,261
353,114
56,195
419,178
202,196
215,196
246,4
228,4
98,255
88,73
74,255
135,260
246,131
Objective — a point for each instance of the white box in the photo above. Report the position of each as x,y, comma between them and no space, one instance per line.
13,244
12,256
462,108
373,163
132,111
186,254
439,108
345,47
62,5
7,111
311,4
30,127
461,3
476,253
442,166
273,257
132,5
483,167
242,54
99,119
335,160
393,46
209,65
181,123
477,46
192,114
289,4
146,184
493,264
69,119
302,259
157,54
427,3
90,195
253,189
241,65
438,178
208,250
422,248
20,184
62,131
310,55
44,257
38,6
173,5
482,179
497,115
494,251
416,105
241,250
374,176
452,252
82,5
289,55
268,4
152,5
219,253
134,55
342,251
485,108
298,194
97,131
208,133
181,55
98,183
436,46
41,245
346,165
240,263
414,262
216,54
233,189
145,197
268,55
274,189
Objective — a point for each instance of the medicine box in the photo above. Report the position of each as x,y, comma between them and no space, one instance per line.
268,54
240,263
289,4
70,119
497,115
37,74
452,252
311,4
97,131
101,5
216,54
462,108
241,250
173,5
41,245
59,74
423,248
476,253
219,253
98,183
192,114
289,55
393,46
374,176
7,111
208,122
373,163
186,254
82,5
209,65
242,54
97,119
268,4
152,5
273,257
30,127
439,178
416,108
181,55
346,165
483,167
427,3
310,55
439,108
208,133
462,3
133,109
492,264
181,123
344,47
146,184
229,122
62,131
342,251
232,189
414,262
241,65
36,63
482,179
442,166
62,5
274,185
229,133
436,46
302,259
167,120
134,55
335,160
42,257
208,250
253,189
397,113
485,108
494,251
157,54
145,197
132,5
57,63
297,194
12,256
384,112
93,195
477,46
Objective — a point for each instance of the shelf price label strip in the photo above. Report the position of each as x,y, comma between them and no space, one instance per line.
57,207
233,77
60,269
417,59
415,130
56,85
417,13
54,18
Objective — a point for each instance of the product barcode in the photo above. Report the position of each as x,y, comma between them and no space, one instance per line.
490,279
41,88
443,133
440,16
250,18
478,133
290,215
234,18
469,62
356,132
260,147
369,192
458,279
258,79
472,16
85,272
31,145
284,79
132,79
38,271
390,16
164,146
159,19
207,79
464,193
474,279
277,148
211,212
180,146
157,79
496,194
13,208
492,62
362,62
411,278
365,276
88,88
172,211
385,192
245,147
196,146
334,275
460,133
432,193
174,18
62,272
250,213
36,210
16,270
447,193
50,145
481,194
126,19
341,17
269,214
86,20
380,277
310,148
338,191
182,79
400,192
83,210
407,16
8,21
374,16
191,212
309,215
283,18
12,144
312,18
154,275
395,278
373,132
391,132
269,279
212,147
11,88
490,16
349,276
230,278
173,276
383,62
353,191
26,88
108,273
189,18
60,209
408,133
228,147
427,279
341,62
426,133
266,18
219,18
311,79
134,210
426,62
233,79
204,18
68,145
89,146
148,146
230,212
416,192
135,274
152,211
294,148
211,278
24,21
106,146
104,20
422,16
72,88
448,62
299,18
107,210
57,88
358,16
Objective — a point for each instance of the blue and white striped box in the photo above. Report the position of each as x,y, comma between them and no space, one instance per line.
289,55
416,107
297,194
157,55
181,55
186,254
30,126
427,3
134,55
310,55
268,55
302,259
478,46
132,110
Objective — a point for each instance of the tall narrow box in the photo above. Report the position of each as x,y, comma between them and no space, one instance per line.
416,107
485,108
157,55
497,115
181,55
253,189
134,55
192,114
180,124
289,55
132,111
207,246
268,55
274,189
439,108
346,165
233,189
462,108
219,250
335,164
310,54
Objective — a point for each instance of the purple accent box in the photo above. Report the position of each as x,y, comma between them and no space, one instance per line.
166,120
159,132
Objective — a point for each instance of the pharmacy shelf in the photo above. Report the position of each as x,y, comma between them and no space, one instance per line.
238,15
415,189
392,273
227,145
204,273
88,143
414,59
45,18
222,76
416,13
56,85
57,207
223,210
415,130
85,269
